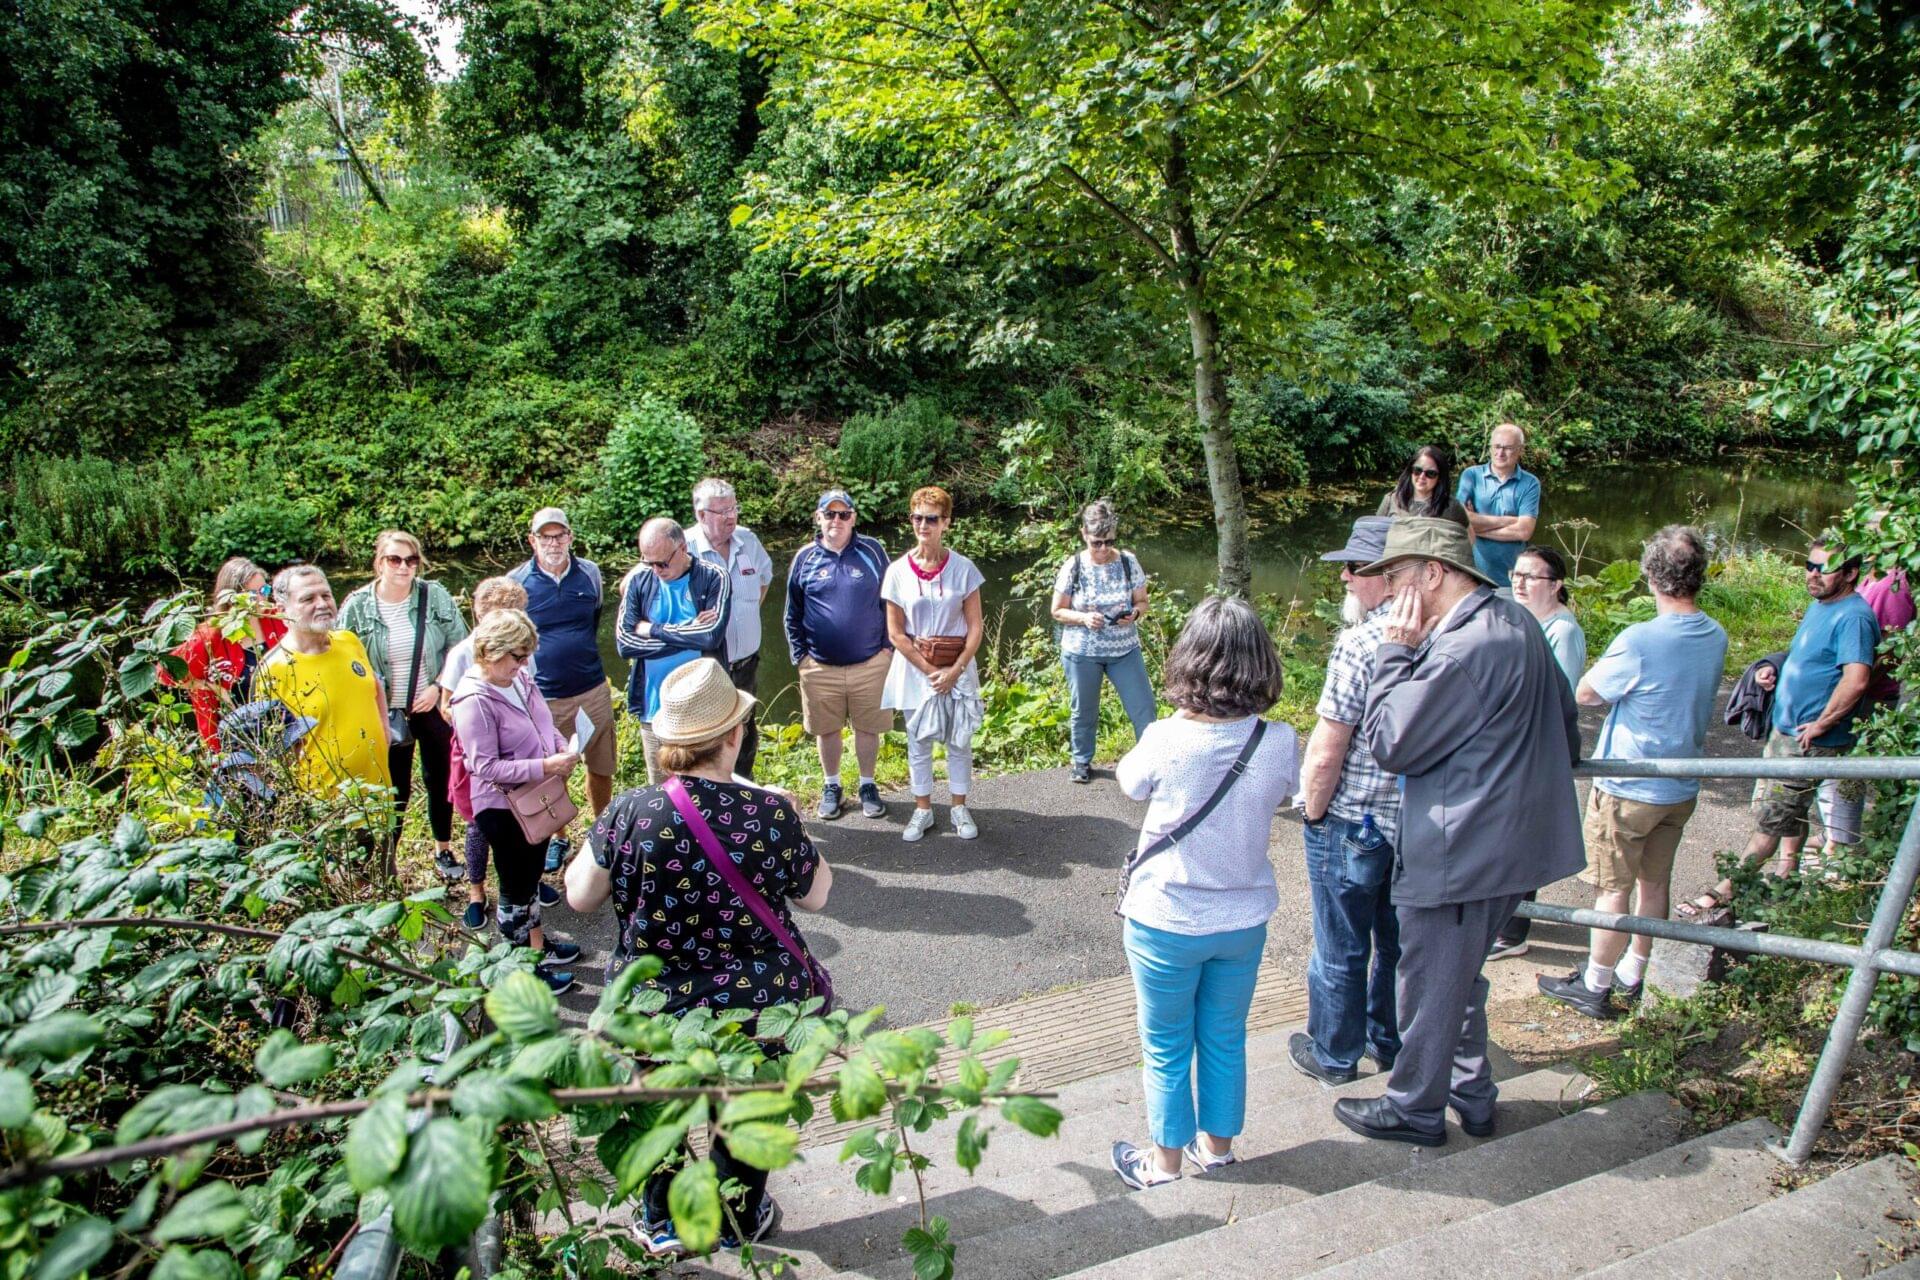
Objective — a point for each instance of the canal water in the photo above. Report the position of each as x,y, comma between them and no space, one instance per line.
1593,514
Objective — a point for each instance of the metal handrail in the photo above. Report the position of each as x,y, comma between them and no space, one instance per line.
1875,954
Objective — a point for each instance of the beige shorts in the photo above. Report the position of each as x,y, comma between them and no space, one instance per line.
834,697
602,751
1629,840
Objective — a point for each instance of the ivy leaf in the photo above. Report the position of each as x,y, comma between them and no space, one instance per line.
693,1198
522,1006
56,1038
76,1247
763,1145
213,1210
442,1190
16,1098
862,1092
1038,1118
377,1143
282,1060
501,1097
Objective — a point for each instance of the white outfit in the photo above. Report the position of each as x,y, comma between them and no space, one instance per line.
935,607
751,569
399,620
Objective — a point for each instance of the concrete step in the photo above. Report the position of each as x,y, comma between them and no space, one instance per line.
1847,1224
1327,1230
1045,1222
1908,1269
1574,1229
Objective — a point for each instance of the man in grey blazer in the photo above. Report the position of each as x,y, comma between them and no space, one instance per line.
1468,706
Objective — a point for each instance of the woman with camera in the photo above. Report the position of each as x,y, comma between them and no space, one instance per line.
1099,597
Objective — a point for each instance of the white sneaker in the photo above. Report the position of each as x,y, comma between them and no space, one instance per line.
1204,1160
918,825
963,825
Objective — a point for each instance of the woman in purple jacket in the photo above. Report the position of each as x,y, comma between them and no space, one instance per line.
508,739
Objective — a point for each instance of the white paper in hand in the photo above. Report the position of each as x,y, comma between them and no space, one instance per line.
583,727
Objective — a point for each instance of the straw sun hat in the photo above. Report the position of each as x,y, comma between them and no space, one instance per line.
698,703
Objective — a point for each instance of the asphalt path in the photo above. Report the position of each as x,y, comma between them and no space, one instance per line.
1028,906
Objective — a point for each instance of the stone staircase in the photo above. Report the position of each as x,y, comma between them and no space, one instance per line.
1564,1188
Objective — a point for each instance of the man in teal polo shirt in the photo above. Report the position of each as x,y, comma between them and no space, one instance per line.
1503,504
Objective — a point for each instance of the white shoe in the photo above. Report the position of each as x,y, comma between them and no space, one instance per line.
1204,1160
918,825
963,825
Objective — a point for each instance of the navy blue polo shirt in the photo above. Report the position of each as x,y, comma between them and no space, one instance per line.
567,613
834,614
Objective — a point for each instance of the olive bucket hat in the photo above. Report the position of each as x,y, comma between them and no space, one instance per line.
1426,538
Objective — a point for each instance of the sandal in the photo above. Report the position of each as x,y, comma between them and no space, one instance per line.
1813,866
1706,907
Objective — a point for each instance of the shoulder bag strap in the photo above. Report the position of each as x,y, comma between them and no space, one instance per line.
419,641
1199,815
718,858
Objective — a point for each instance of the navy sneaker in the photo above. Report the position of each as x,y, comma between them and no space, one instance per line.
560,951
549,896
871,805
830,798
761,1228
1573,991
659,1239
557,850
449,867
476,915
559,981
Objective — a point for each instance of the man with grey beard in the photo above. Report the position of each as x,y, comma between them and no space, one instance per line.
1352,811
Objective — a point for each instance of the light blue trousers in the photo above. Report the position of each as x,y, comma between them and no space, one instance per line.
1194,991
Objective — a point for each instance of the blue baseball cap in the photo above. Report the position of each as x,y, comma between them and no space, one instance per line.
835,495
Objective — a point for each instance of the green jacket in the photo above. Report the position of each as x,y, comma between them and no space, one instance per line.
445,628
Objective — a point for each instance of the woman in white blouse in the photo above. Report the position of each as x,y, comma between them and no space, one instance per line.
934,620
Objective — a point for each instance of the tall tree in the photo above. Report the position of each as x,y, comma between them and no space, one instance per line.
1213,165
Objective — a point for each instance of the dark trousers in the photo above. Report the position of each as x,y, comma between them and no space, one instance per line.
517,863
434,736
476,854
745,1207
1519,928
1443,1012
746,676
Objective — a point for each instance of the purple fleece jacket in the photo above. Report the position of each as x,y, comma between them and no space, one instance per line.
503,745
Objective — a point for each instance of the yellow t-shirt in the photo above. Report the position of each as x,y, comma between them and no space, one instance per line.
337,689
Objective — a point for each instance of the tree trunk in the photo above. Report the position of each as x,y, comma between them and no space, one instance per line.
1234,573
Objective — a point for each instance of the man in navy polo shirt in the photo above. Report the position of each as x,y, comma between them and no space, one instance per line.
837,636
1502,499
565,600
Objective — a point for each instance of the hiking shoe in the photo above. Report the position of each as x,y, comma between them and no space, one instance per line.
1502,949
829,801
963,824
475,916
560,951
1629,995
761,1228
1082,771
559,981
871,805
1204,1160
659,1239
1136,1167
557,850
918,825
1300,1053
1574,992
449,867
548,895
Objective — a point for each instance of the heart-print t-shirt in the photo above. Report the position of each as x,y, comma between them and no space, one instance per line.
672,904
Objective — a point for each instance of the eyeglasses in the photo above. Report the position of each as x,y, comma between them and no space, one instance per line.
1532,577
266,591
724,512
836,513
1506,448
926,517
1399,571
1099,544
519,657
1429,472
553,539
397,560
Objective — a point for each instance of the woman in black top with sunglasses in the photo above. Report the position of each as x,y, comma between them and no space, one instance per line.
1426,489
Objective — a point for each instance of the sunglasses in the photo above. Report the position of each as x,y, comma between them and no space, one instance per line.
657,565
835,513
266,591
392,559
922,517
1429,472
1814,566
1099,543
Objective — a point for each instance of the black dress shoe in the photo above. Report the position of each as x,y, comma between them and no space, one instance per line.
1300,1051
1378,1118
1475,1128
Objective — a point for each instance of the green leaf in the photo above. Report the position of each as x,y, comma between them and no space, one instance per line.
693,1198
16,1098
523,1006
214,1210
755,1106
931,1249
739,214
180,1263
56,1038
377,1143
960,1031
1039,1118
969,1144
630,1156
442,1190
501,1097
76,1246
283,1061
862,1092
763,1145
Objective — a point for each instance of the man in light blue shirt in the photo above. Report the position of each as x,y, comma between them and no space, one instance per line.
1503,504
1660,677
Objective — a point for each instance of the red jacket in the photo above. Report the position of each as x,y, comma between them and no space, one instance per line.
214,663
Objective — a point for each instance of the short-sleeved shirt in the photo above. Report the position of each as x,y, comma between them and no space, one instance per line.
1488,494
1568,640
1834,634
670,902
934,606
338,689
1891,600
1105,589
1661,677
1364,787
752,571
672,603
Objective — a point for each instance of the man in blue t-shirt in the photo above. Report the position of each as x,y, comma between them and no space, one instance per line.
1660,678
674,607
1503,504
1817,695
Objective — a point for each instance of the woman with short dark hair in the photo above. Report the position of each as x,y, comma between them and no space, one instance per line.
1099,596
1199,894
1426,489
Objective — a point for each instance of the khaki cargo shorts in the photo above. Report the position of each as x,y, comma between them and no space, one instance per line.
602,753
833,697
1631,840
1780,808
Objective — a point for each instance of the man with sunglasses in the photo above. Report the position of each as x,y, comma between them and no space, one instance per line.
674,607
837,637
1502,499
1815,703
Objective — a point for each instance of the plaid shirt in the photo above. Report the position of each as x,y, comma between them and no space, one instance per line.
1364,787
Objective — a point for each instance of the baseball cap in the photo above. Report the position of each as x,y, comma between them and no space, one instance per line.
1367,542
549,515
835,495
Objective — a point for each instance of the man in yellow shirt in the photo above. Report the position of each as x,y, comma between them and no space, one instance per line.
319,672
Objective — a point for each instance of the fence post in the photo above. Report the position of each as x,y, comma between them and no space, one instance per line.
1859,994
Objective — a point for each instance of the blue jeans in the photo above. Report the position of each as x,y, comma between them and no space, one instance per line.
1194,991
1348,1008
1129,675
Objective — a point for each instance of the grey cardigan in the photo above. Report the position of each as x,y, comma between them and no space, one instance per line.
1483,728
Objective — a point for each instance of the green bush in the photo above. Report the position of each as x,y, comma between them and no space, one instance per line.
884,456
109,518
651,461
268,530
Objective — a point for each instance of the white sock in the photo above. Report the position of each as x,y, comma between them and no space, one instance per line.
865,781
1631,969
1599,978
